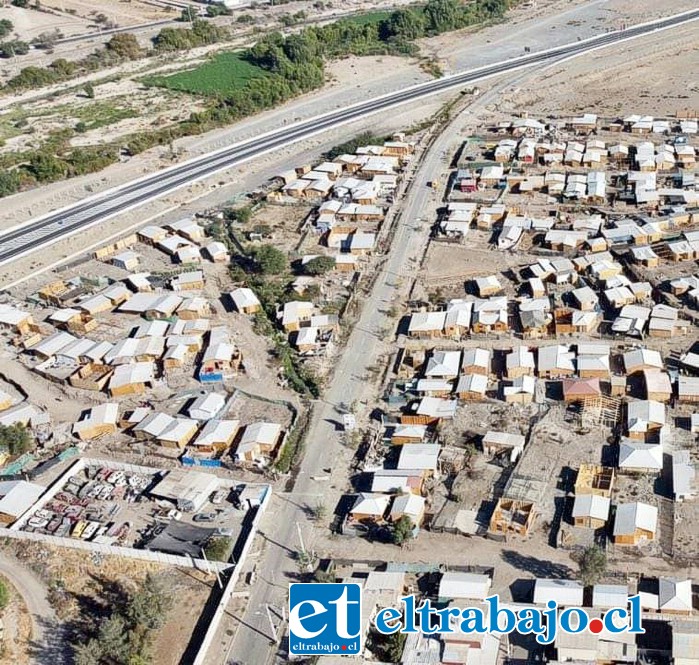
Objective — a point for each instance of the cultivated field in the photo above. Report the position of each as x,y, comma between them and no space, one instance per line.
225,72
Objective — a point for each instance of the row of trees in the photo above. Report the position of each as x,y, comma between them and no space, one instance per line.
201,33
119,48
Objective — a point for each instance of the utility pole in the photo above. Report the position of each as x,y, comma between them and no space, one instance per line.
211,569
271,624
303,547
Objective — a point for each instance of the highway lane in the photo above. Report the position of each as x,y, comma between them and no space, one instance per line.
34,234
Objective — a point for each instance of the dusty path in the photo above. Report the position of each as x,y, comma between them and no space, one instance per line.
49,643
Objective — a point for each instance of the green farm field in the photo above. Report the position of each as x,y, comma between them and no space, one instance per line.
366,19
224,73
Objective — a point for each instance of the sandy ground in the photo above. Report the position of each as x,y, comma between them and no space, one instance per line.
122,13
29,23
659,78
17,629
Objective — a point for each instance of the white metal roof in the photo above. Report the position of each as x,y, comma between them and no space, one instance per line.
632,516
674,594
472,383
244,297
11,316
591,505
568,593
124,375
408,504
639,455
464,585
206,406
18,496
610,595
370,504
443,363
261,433
419,456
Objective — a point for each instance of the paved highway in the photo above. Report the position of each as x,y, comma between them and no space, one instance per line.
34,234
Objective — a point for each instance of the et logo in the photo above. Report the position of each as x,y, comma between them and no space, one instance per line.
325,619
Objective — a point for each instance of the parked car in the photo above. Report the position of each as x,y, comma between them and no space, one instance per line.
204,517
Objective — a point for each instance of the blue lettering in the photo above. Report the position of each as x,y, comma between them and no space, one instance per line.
635,627
529,621
409,612
425,611
549,614
473,621
444,616
494,614
384,617
609,623
567,614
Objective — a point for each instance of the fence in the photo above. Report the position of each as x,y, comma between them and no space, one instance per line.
201,658
114,550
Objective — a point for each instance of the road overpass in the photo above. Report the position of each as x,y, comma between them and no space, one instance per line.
32,235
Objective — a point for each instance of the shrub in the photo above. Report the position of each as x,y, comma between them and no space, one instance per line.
319,265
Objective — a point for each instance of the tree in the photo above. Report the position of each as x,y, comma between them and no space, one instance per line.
386,648
20,3
443,15
592,562
125,46
63,68
16,438
89,90
218,549
218,9
319,512
4,595
6,27
403,24
9,182
87,653
13,48
402,530
148,607
113,638
394,647
47,40
319,265
47,167
270,260
239,215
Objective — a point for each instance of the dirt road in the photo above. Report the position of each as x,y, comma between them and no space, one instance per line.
49,643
